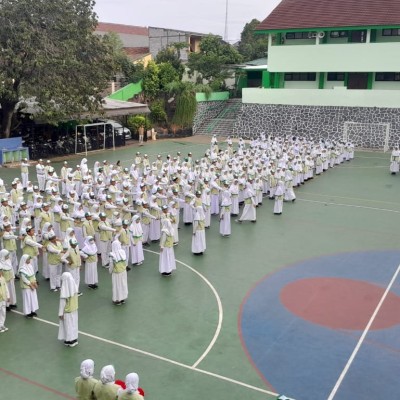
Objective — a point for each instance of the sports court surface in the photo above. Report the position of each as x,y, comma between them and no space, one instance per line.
305,304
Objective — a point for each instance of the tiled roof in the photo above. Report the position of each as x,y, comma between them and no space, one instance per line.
126,29
332,13
136,53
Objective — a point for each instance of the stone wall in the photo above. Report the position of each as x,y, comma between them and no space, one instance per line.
321,122
206,111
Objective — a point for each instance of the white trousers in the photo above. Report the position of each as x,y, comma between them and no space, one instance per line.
2,313
55,275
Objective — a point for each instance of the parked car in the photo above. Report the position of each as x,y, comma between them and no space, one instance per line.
118,128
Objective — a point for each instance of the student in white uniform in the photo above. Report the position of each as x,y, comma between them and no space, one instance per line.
4,298
68,311
89,254
8,275
29,286
118,273
136,233
199,233
167,262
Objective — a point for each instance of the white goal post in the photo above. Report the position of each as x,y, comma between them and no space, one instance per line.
383,129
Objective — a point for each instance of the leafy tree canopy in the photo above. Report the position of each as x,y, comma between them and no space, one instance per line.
252,46
172,55
211,62
49,53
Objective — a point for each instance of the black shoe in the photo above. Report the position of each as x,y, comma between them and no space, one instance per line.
128,268
95,286
91,287
8,309
145,244
16,278
13,306
254,221
34,314
166,273
29,315
122,301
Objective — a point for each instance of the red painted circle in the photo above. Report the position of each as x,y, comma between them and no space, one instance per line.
341,303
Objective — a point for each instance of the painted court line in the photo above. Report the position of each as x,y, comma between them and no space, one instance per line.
346,198
177,363
37,384
362,338
349,205
220,310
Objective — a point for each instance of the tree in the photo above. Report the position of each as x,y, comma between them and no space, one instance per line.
50,55
172,55
211,62
151,81
252,46
167,74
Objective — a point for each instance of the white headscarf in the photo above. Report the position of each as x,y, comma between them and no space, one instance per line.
24,267
22,229
136,228
5,261
118,254
167,227
87,368
199,214
107,374
132,382
280,190
68,286
89,248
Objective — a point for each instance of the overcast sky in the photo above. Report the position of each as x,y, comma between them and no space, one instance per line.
203,16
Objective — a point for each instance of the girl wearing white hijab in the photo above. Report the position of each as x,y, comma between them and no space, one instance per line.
4,298
136,232
79,216
225,211
106,389
69,235
68,311
28,285
47,232
8,275
199,233
132,388
117,270
167,262
249,210
84,384
280,191
89,254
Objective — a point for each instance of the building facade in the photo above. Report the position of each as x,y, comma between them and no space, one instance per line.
335,62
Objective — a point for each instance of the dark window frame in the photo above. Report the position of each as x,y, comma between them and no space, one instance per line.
391,32
300,76
335,77
297,35
339,34
387,77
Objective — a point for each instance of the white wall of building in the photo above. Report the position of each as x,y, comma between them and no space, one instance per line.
319,97
350,57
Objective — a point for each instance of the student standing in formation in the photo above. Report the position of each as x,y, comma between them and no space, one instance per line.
9,277
132,388
249,210
24,173
106,389
72,259
199,233
28,285
136,232
84,384
89,254
394,161
55,252
280,191
4,298
68,311
106,232
225,211
118,273
167,262
31,247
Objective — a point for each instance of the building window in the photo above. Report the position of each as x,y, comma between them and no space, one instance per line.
335,76
301,76
339,34
390,32
298,35
387,77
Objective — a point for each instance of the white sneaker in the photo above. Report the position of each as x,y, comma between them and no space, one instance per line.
3,329
73,344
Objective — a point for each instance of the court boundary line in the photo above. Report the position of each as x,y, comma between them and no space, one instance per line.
349,205
219,304
37,384
363,336
161,358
